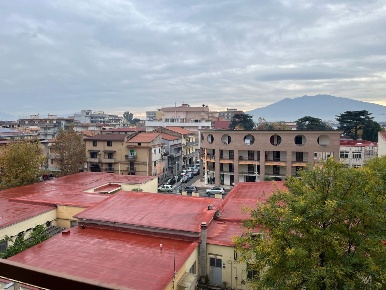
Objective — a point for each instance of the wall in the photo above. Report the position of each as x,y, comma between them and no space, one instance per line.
13,230
233,273
149,186
381,144
185,268
65,214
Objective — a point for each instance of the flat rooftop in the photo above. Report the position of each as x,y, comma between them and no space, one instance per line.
116,258
244,195
15,212
21,203
153,210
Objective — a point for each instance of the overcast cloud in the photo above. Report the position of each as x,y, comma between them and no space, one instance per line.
114,55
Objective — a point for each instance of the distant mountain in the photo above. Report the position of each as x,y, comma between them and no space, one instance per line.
324,107
7,117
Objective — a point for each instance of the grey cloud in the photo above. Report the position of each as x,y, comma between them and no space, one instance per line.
64,56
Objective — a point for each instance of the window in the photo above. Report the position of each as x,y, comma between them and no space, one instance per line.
357,155
343,154
93,154
94,143
155,163
110,155
252,274
231,154
193,268
3,246
276,169
215,262
231,169
52,161
109,143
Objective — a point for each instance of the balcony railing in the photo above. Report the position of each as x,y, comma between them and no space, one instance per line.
93,160
109,169
131,156
131,169
108,160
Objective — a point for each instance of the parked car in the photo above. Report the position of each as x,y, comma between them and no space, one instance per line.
183,172
215,190
196,171
190,175
171,181
165,188
185,179
190,189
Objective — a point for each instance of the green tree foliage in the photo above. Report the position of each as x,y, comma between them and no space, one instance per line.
20,244
128,116
312,124
370,131
70,152
20,163
352,122
242,122
326,232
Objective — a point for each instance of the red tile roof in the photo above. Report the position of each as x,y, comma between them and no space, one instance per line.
153,210
180,130
224,125
143,138
106,137
119,259
169,137
221,232
357,143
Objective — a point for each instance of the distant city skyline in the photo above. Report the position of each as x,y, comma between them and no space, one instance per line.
59,57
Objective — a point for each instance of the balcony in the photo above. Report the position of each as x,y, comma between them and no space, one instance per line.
300,162
93,160
131,169
131,156
109,169
108,160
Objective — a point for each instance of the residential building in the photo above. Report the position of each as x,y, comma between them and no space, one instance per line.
231,157
146,154
228,114
354,153
108,153
47,127
185,116
188,143
381,143
87,116
173,153
14,134
125,239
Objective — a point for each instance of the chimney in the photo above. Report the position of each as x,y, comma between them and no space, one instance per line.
202,263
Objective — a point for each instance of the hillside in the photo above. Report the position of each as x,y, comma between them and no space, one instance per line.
325,107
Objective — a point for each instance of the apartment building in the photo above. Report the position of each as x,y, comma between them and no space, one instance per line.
228,114
185,116
381,143
230,157
100,117
354,153
47,127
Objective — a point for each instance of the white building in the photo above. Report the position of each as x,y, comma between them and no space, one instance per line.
355,153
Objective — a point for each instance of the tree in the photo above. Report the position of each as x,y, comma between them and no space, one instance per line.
20,244
370,131
242,122
309,123
272,126
70,151
128,117
326,232
20,163
352,122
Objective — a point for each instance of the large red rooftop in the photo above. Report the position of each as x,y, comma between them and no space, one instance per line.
153,210
15,212
116,258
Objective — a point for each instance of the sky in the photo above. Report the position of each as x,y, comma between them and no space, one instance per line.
63,56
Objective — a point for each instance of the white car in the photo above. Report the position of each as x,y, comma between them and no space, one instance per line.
215,190
165,188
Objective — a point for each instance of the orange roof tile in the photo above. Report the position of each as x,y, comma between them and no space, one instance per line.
143,137
180,130
169,137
